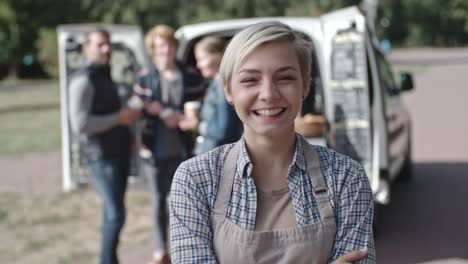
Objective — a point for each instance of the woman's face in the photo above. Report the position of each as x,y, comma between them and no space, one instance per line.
165,52
208,63
267,91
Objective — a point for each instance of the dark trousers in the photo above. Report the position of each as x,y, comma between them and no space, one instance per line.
110,178
160,173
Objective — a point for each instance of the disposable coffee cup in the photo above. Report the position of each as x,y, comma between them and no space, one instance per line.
192,109
135,103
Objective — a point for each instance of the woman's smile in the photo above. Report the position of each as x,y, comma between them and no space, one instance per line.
269,112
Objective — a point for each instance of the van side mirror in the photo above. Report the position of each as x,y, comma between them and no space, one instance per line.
406,81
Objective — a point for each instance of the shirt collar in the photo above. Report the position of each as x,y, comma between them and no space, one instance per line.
243,161
299,156
245,164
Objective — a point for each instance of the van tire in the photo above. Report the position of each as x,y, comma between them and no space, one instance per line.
406,173
376,225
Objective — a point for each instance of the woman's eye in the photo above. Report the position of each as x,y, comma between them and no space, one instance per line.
248,80
287,78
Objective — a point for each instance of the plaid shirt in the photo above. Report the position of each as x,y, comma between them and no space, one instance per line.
195,186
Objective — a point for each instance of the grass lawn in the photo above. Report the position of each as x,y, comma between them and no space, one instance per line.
29,117
52,227
64,228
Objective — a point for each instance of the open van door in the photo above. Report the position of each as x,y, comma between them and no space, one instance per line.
128,57
347,94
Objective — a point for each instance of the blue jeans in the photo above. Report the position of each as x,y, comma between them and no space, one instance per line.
160,173
110,178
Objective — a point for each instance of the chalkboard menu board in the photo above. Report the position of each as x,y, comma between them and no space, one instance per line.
350,96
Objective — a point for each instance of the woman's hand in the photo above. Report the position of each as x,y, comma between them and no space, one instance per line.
351,257
172,119
188,123
127,116
154,108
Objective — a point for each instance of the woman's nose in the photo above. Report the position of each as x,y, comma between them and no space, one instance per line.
268,90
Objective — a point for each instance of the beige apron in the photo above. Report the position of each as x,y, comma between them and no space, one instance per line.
305,244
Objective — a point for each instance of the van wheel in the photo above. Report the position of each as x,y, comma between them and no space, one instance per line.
406,173
376,219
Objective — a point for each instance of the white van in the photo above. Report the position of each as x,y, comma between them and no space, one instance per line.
355,94
355,107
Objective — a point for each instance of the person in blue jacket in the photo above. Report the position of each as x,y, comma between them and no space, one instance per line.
218,123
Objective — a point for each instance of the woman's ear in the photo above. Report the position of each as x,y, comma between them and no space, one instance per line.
227,92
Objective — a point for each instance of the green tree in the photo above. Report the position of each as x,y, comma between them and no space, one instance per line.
145,13
47,51
424,22
303,8
328,5
26,25
392,21
21,21
9,37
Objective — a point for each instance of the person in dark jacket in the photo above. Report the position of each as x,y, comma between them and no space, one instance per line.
96,113
164,88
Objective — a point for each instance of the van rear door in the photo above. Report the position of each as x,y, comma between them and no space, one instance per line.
346,86
128,57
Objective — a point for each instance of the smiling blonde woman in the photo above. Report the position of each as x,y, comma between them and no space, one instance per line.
271,197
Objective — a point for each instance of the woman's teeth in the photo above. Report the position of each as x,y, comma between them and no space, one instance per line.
269,112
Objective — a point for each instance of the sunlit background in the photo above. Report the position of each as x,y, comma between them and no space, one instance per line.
426,221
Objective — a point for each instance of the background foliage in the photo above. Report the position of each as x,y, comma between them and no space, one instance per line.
27,27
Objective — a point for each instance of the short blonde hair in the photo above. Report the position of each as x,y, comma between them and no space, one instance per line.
164,31
258,34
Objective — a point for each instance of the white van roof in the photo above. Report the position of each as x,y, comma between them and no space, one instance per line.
201,29
310,25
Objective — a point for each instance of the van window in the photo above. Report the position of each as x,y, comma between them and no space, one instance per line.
313,103
386,75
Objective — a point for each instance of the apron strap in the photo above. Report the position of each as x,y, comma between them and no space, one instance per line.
226,181
319,188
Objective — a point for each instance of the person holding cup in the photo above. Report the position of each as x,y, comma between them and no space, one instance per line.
164,88
218,123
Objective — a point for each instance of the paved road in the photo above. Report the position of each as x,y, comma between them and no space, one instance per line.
428,217
439,104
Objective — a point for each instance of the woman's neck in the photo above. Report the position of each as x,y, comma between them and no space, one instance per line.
165,65
168,72
271,158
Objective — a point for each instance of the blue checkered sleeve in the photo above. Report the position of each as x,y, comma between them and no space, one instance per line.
353,207
190,217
